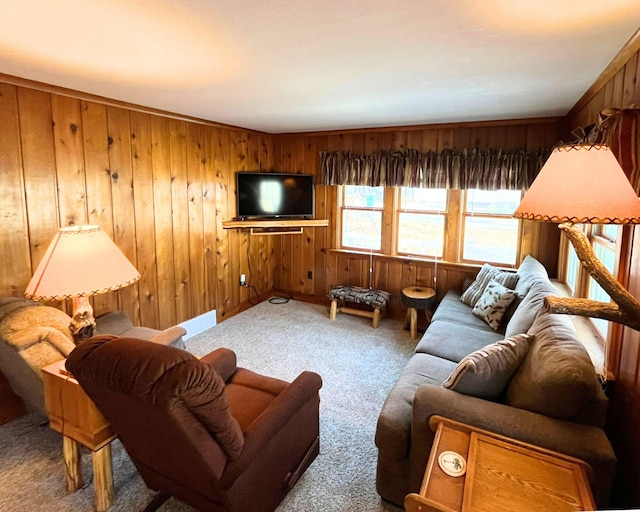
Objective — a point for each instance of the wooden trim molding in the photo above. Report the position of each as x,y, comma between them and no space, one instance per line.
422,127
71,93
405,260
631,47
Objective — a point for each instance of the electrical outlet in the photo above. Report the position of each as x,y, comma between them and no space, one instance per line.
243,280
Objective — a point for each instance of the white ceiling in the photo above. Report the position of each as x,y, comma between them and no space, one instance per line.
304,65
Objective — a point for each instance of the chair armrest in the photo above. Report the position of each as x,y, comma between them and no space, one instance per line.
114,322
170,335
582,441
223,361
283,408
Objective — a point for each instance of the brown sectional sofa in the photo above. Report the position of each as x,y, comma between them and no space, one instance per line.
554,399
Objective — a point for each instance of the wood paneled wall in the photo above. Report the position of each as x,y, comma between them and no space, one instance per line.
160,186
310,255
622,89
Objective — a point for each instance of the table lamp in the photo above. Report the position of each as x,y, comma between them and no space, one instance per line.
585,184
81,261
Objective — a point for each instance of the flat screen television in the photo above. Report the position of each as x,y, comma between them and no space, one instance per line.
272,195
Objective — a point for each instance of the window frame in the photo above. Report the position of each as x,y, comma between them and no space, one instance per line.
343,207
466,214
582,288
398,210
453,228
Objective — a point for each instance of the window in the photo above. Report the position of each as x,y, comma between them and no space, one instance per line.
573,271
476,226
421,221
362,217
604,239
490,231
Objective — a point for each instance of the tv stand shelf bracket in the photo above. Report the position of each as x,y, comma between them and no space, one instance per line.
275,227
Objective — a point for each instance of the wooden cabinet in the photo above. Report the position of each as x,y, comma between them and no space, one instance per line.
73,414
502,474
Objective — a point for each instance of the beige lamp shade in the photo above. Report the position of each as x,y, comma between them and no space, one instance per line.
81,261
584,184
581,184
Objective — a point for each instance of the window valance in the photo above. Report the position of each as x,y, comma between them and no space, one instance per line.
485,169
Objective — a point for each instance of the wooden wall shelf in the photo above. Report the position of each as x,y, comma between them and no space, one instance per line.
275,227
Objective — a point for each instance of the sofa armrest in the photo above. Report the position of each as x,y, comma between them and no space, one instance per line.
169,336
223,361
584,442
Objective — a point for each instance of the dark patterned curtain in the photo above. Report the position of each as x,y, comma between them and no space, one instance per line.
485,169
619,129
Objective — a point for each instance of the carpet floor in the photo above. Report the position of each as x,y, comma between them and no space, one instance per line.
358,365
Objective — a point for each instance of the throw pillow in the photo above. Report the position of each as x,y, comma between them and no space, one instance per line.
488,272
494,303
486,373
557,377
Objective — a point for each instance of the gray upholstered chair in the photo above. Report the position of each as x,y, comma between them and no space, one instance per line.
119,324
33,336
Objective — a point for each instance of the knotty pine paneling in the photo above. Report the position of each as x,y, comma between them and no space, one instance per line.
14,236
620,91
297,256
143,200
98,180
159,186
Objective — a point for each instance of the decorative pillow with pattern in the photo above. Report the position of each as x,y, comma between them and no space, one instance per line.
486,373
494,303
488,272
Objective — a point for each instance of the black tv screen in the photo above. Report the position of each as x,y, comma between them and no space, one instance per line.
270,195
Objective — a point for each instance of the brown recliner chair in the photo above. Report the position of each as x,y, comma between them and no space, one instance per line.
215,436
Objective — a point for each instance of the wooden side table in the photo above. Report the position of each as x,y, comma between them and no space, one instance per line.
73,414
502,474
417,297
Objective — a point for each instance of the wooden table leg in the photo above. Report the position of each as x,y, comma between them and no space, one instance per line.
72,462
413,312
103,478
376,318
334,309
428,314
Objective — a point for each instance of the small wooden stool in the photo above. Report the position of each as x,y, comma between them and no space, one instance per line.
377,299
417,297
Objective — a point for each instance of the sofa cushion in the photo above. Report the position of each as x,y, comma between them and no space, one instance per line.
451,309
393,433
529,271
557,377
511,309
486,373
454,341
488,272
493,304
529,306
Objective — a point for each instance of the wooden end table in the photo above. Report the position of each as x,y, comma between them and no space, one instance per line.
73,414
417,297
502,474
